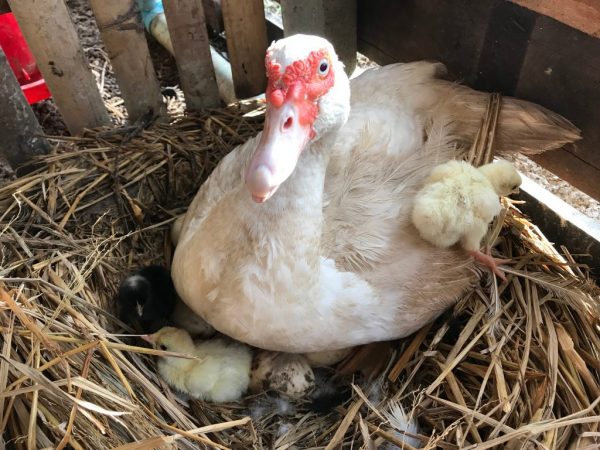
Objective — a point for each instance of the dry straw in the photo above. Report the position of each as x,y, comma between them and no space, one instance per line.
514,365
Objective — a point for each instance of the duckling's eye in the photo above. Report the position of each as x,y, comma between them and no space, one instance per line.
516,186
323,67
163,347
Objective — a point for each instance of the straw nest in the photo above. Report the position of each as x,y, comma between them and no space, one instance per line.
514,365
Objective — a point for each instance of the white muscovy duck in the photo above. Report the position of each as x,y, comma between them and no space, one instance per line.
301,241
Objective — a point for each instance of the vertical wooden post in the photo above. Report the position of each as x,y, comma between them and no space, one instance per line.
247,44
123,34
187,28
52,38
213,15
21,132
334,20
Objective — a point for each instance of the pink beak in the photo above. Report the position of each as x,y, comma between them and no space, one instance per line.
148,338
281,143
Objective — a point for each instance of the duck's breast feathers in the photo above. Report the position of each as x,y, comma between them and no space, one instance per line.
227,176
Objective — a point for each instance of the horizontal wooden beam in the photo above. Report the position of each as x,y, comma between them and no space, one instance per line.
571,168
583,15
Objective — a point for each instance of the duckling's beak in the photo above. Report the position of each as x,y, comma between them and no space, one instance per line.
284,137
150,338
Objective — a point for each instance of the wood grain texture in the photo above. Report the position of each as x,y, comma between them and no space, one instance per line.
187,28
583,15
52,38
562,224
21,132
213,15
123,35
494,45
335,20
561,71
247,44
452,32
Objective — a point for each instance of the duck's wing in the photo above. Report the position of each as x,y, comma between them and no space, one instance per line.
417,89
404,121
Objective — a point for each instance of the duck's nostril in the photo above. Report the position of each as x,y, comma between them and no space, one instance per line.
288,123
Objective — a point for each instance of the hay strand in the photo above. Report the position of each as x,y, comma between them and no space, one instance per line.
524,375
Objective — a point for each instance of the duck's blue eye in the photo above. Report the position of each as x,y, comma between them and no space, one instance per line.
323,67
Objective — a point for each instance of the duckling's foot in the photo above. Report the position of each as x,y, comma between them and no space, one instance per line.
490,262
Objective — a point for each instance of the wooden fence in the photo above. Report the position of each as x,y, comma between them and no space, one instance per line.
51,35
546,51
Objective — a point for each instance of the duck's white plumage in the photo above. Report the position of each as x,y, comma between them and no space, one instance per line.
331,259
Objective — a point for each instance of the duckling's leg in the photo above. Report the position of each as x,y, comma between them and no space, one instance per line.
489,261
471,242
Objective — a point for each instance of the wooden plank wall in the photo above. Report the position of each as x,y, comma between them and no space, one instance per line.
497,45
335,20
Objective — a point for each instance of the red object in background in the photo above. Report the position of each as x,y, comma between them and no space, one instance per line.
21,60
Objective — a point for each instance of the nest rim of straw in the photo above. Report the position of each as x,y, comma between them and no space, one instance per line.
96,207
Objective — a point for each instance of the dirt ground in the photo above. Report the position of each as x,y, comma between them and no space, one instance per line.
167,73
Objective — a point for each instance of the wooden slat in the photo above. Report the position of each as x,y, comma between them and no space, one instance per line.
123,34
187,28
213,15
561,71
450,31
247,44
52,38
583,15
562,224
335,20
21,132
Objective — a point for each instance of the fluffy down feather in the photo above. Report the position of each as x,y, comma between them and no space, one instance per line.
147,298
402,423
459,201
220,375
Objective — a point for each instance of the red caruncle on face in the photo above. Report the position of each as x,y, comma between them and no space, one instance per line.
303,83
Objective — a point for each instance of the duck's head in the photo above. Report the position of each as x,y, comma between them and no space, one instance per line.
308,96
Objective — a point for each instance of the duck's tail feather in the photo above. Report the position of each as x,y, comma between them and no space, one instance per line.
523,126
